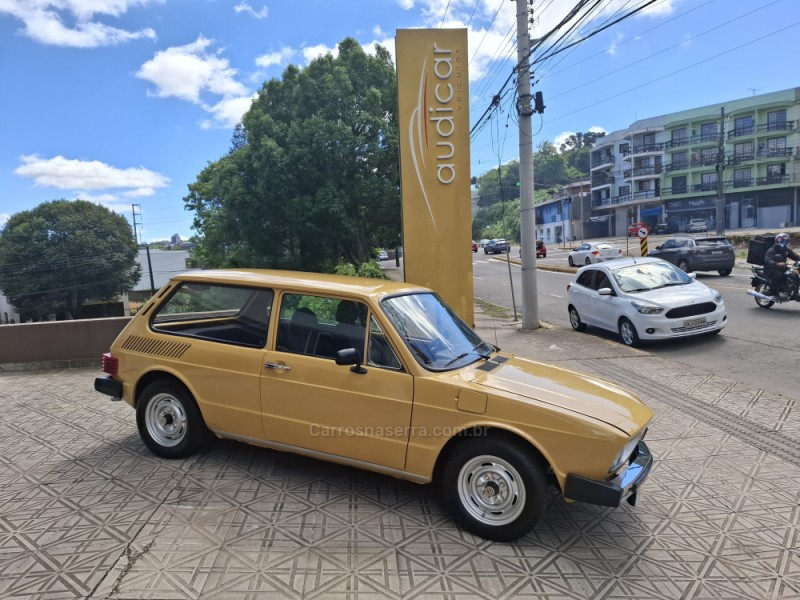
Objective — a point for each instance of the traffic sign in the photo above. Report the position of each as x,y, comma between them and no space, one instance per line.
642,233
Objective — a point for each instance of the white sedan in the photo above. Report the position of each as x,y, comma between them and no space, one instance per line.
643,299
593,252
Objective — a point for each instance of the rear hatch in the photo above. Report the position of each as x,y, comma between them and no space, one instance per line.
714,250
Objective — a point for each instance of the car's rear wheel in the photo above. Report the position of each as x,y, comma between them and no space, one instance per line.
684,266
763,288
496,488
169,422
724,272
575,319
570,261
628,333
588,261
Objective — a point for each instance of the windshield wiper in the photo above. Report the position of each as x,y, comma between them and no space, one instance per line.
463,354
419,351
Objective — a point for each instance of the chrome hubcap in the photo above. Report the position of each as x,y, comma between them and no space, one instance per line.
166,420
574,319
627,334
491,490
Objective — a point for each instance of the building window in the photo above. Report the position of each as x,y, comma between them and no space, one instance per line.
708,156
743,151
679,137
776,173
625,148
679,185
776,146
708,182
743,125
624,190
741,177
708,132
776,120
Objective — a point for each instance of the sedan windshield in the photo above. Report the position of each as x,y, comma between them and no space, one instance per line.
437,337
649,276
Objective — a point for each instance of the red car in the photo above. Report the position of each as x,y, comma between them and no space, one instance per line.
541,249
474,246
633,229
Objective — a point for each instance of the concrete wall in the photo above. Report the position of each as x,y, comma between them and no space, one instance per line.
62,343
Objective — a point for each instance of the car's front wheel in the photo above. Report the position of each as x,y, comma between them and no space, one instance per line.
724,272
169,422
570,261
683,266
496,488
628,333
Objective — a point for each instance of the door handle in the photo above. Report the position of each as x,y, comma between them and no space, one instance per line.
272,365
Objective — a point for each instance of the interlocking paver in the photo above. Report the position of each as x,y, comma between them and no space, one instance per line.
87,512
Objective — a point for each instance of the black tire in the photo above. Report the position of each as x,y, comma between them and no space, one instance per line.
169,422
628,334
496,488
569,260
763,288
724,272
485,251
588,261
575,319
684,266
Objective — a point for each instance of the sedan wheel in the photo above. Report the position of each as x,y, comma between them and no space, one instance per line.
570,261
169,422
724,272
588,261
496,488
684,266
575,320
628,333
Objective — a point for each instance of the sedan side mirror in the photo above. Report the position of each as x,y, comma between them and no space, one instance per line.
658,247
692,275
350,356
605,292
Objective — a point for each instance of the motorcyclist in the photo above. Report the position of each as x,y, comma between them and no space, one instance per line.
775,262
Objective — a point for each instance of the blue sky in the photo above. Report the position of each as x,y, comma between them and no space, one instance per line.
125,101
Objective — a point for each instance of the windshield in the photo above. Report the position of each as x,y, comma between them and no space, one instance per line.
649,276
436,336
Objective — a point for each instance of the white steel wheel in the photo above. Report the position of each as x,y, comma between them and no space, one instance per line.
169,421
495,487
166,420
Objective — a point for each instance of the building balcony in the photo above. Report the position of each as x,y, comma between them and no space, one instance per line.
778,126
773,180
654,147
743,183
742,157
602,161
776,152
676,166
703,161
626,198
742,131
601,179
705,138
642,172
704,187
674,191
677,143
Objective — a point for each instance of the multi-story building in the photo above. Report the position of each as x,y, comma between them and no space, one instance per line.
559,219
667,169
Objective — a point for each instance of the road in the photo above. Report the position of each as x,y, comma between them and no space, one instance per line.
758,347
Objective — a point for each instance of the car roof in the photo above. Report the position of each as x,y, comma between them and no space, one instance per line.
318,282
621,263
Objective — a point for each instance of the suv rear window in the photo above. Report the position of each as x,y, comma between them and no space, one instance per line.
712,242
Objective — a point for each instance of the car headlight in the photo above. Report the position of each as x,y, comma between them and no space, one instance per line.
647,309
717,297
626,452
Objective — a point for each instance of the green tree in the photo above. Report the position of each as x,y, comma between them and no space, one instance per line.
550,167
491,183
60,254
312,175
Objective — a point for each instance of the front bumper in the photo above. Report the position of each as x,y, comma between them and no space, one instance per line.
108,386
613,491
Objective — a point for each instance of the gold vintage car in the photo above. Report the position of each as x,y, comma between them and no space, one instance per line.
379,375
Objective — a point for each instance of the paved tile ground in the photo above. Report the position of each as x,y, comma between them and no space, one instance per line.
87,512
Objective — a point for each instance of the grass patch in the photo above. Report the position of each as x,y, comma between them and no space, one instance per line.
493,310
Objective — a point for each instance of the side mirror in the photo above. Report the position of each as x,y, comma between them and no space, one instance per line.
605,292
658,247
350,356
692,275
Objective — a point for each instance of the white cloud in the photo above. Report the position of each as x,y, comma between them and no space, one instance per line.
4,217
312,52
44,21
80,176
687,40
228,111
612,49
561,138
246,8
275,58
405,4
597,129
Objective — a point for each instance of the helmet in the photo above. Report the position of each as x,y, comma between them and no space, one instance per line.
782,239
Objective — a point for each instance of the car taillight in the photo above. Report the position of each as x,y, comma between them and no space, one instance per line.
596,253
110,364
569,285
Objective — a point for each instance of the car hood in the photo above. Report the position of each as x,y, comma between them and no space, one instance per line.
567,389
678,295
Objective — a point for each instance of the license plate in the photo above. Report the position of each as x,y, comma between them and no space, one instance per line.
716,252
694,322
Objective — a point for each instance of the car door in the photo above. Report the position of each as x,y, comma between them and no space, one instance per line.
667,251
606,308
580,296
310,402
580,253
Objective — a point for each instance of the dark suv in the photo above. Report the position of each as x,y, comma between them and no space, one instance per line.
709,253
496,246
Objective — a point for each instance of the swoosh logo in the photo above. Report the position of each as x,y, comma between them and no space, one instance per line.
418,137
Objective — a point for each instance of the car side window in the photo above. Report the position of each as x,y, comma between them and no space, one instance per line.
668,244
220,313
585,278
320,326
602,281
380,352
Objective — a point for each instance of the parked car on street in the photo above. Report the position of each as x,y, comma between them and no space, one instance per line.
709,253
541,249
474,246
661,228
593,252
696,226
482,243
643,299
379,375
383,255
496,246
633,229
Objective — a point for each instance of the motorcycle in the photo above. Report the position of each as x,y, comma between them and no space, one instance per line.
789,291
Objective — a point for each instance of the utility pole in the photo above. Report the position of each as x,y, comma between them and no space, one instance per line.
527,216
138,243
720,218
